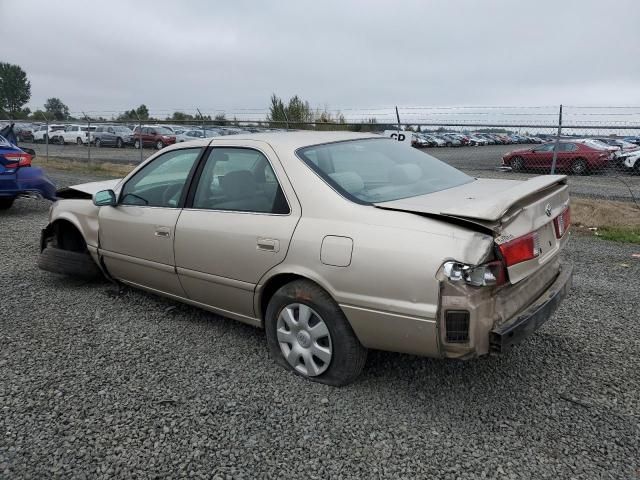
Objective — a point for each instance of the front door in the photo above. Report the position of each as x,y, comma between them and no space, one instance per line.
237,226
136,236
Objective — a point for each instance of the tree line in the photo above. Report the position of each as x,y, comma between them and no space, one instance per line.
15,93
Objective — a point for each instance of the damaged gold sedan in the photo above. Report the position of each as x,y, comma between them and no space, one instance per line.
334,243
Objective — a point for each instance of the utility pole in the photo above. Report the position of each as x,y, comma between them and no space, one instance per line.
557,144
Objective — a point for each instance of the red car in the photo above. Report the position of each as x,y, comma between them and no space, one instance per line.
573,157
153,136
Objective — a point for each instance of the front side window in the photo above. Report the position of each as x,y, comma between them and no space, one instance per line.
239,179
380,170
544,148
161,182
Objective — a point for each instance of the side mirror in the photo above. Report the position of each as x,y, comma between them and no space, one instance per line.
105,198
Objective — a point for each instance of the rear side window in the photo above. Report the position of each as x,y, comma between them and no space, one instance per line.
380,170
239,179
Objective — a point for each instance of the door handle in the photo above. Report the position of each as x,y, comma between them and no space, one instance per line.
268,244
164,232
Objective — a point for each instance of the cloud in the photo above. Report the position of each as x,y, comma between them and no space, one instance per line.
233,55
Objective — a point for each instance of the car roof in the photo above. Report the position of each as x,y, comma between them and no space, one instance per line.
280,140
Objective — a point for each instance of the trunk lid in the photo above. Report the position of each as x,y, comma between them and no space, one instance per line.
508,209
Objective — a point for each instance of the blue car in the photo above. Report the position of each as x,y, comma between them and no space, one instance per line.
17,177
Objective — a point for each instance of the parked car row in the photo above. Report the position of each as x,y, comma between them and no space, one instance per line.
119,135
455,139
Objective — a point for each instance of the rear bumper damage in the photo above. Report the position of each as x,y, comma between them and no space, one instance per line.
511,332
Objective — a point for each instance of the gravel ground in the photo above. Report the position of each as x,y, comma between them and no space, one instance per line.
476,161
95,383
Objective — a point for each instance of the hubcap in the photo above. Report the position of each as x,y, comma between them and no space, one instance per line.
304,339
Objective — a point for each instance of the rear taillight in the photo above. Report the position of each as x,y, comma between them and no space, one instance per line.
521,249
562,222
18,159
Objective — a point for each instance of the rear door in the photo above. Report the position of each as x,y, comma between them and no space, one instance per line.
136,236
236,225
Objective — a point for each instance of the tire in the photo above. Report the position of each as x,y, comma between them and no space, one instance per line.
159,145
66,262
5,203
98,143
517,164
136,144
60,140
579,166
119,143
79,141
346,357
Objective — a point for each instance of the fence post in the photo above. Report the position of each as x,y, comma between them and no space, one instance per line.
557,144
88,139
286,118
139,133
398,117
201,123
46,137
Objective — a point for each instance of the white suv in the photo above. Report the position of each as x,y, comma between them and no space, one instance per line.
40,133
72,134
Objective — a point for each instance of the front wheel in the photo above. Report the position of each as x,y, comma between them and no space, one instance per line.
136,144
517,164
579,166
119,143
308,334
159,145
98,143
79,141
5,203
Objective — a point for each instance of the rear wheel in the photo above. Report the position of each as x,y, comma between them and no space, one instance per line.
308,334
5,203
79,141
119,143
579,166
61,140
517,164
98,143
136,144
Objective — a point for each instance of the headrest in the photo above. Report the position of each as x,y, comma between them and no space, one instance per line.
238,184
350,181
405,173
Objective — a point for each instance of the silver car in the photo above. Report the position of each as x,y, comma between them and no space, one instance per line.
333,242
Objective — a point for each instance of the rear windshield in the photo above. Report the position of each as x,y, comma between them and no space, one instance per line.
380,170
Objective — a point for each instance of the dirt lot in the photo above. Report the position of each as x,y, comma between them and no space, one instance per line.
100,384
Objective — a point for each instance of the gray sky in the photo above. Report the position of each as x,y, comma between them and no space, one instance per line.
114,55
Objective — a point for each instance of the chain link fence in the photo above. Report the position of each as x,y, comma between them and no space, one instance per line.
598,146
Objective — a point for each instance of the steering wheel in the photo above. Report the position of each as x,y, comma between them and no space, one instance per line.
171,195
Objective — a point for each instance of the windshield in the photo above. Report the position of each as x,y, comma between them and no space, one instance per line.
380,170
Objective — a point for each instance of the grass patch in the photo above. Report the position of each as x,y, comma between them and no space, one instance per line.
620,234
96,168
